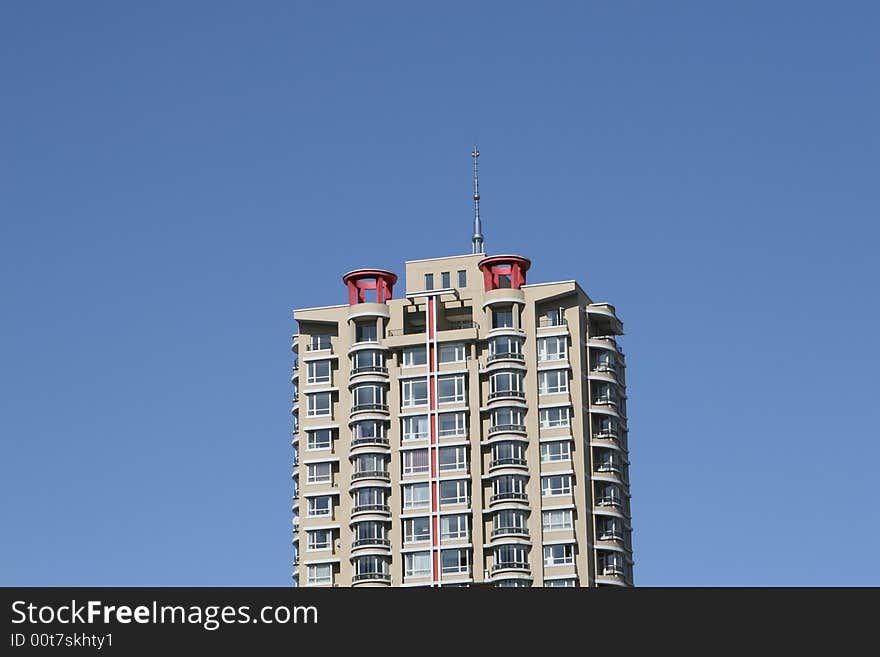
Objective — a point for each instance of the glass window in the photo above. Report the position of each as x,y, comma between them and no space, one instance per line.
451,388
321,505
319,404
444,280
567,582
368,429
368,396
452,352
320,574
450,424
552,381
552,348
367,360
417,564
509,520
370,531
370,463
416,529
510,555
555,451
319,341
415,427
415,461
320,473
319,539
454,492
452,458
455,561
507,382
502,318
505,346
318,371
550,418
371,565
556,519
416,495
462,278
369,497
429,281
454,528
508,453
414,392
558,555
609,495
415,356
506,417
366,332
555,485
509,487
319,439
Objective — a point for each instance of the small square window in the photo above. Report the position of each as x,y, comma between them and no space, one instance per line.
444,280
429,281
462,278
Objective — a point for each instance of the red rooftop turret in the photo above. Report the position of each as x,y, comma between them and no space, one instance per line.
361,280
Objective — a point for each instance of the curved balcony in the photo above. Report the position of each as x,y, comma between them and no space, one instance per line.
607,435
369,408
610,501
507,428
382,509
521,566
515,395
508,462
370,441
604,342
505,532
376,542
614,535
379,370
381,475
507,355
362,578
368,309
504,296
509,497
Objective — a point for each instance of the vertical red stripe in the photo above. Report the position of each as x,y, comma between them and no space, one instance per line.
432,450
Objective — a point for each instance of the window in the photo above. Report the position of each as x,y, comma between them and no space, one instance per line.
451,388
558,555
507,383
508,453
509,487
552,348
555,451
462,278
502,318
450,424
556,519
505,346
603,361
415,356
414,392
604,394
366,430
454,528
416,495
552,485
512,584
510,556
320,473
415,427
319,539
552,381
611,563
368,396
319,404
319,439
372,532
417,564
373,463
452,458
452,353
610,529
550,418
369,497
444,280
609,461
371,565
416,529
454,492
507,417
366,332
319,341
609,495
566,582
455,561
318,371
429,281
509,521
320,574
319,506
415,461
367,360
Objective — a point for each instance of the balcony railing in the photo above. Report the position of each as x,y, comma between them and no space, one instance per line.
552,321
498,497
607,434
361,542
365,577
614,570
317,347
369,407
456,325
498,394
609,467
609,500
509,531
371,474
604,401
364,369
370,440
510,460
611,535
507,428
510,565
371,508
506,355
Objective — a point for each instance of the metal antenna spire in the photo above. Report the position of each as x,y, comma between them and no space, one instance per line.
478,233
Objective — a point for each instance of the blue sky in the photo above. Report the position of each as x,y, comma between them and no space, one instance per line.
169,173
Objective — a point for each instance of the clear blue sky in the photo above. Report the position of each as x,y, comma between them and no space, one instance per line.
169,173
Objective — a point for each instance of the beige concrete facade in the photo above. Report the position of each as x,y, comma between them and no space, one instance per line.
469,431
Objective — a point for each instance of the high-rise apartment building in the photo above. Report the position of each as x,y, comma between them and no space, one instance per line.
472,430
